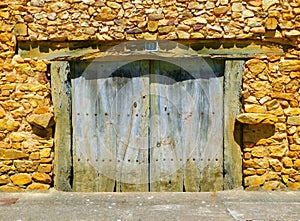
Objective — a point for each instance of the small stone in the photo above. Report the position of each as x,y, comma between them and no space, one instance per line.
209,5
276,164
293,185
247,14
277,151
287,162
295,147
45,153
270,185
194,5
134,30
41,178
4,179
289,65
45,168
254,180
41,120
249,172
183,34
259,151
52,16
23,165
9,188
266,4
286,96
271,23
294,120
4,14
256,66
17,137
21,179
105,14
220,10
20,29
197,35
166,29
237,7
297,164
11,154
292,111
38,186
254,108
255,3
153,26
156,16
258,30
37,3
255,118
273,104
113,5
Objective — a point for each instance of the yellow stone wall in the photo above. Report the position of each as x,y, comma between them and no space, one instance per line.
270,84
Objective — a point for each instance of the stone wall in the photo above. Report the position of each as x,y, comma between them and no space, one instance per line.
271,139
270,84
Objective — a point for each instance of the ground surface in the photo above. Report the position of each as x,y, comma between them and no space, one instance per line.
225,205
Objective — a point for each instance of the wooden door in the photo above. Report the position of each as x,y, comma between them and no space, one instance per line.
148,126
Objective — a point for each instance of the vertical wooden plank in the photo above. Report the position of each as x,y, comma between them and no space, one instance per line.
165,149
232,108
194,125
94,136
61,97
84,144
132,111
212,174
201,126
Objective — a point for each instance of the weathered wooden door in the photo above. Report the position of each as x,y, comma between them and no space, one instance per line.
148,126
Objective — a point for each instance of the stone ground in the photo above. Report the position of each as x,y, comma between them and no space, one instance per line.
225,205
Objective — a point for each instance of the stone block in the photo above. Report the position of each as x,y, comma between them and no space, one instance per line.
294,120
270,185
255,118
11,154
4,179
256,66
278,150
38,187
45,153
21,179
254,180
293,185
9,188
21,29
41,178
275,164
41,120
45,168
289,65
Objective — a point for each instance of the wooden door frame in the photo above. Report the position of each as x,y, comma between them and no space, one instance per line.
60,84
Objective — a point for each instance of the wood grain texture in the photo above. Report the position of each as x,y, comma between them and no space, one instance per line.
61,97
232,108
149,126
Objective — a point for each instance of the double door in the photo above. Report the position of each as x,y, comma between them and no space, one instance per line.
147,126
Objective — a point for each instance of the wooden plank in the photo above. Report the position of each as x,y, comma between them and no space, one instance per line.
83,51
232,108
194,124
132,114
212,173
61,97
165,149
83,155
94,137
